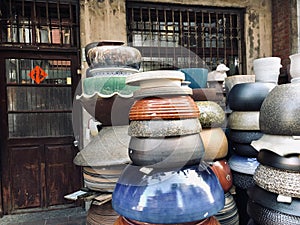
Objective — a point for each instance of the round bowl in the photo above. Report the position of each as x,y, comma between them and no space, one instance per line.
163,128
267,69
244,136
231,81
245,150
295,65
243,164
289,162
162,91
166,152
151,191
244,120
196,76
279,144
248,96
215,143
155,108
279,112
114,54
229,214
211,114
223,172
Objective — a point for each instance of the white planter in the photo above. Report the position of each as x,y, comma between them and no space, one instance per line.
267,69
295,65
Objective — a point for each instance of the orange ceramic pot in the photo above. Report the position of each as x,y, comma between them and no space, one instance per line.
209,221
155,108
223,172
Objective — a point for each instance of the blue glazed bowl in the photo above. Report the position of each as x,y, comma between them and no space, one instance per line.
164,196
197,77
243,164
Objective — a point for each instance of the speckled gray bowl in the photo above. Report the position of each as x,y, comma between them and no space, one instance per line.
211,114
244,120
280,111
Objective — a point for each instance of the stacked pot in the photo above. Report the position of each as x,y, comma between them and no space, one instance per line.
245,100
275,199
212,119
107,98
167,182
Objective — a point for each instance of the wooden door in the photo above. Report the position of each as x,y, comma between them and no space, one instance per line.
37,131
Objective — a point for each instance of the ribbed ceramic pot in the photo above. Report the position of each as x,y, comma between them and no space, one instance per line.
244,120
211,114
267,69
124,221
229,214
215,143
244,136
151,191
114,54
231,81
295,65
166,152
103,213
163,128
279,112
196,76
155,108
248,96
223,172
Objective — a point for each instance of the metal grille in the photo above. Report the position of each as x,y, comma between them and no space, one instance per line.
176,36
39,23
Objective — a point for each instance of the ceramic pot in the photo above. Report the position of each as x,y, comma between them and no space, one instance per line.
196,76
248,96
223,172
110,110
244,120
114,54
151,191
279,144
279,113
278,181
163,128
107,149
289,162
231,81
125,221
103,213
162,91
156,78
215,143
211,114
242,180
244,136
269,200
243,164
154,108
206,94
166,152
245,150
110,72
265,216
295,65
267,69
229,214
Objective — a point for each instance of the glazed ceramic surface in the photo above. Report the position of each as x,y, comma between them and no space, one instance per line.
231,81
229,214
175,107
248,96
243,164
215,143
295,65
168,196
196,76
245,150
211,114
279,113
166,152
244,136
279,144
163,128
244,120
267,69
223,172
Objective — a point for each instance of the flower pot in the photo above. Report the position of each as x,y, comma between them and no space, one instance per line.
267,69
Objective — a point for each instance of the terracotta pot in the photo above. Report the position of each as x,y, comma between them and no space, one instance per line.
223,172
178,107
267,69
211,114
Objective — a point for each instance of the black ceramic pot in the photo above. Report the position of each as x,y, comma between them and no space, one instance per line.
244,150
248,96
244,136
242,180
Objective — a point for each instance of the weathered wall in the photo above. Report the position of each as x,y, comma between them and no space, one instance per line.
106,19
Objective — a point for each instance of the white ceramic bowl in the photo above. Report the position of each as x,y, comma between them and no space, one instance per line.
267,69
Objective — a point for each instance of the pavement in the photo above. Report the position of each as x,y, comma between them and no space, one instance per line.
70,216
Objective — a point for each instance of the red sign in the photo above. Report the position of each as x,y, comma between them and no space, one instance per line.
37,74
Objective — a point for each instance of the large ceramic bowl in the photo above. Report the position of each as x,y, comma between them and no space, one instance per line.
248,96
211,114
223,172
196,76
166,152
244,136
244,120
279,112
114,54
267,69
231,81
243,164
168,196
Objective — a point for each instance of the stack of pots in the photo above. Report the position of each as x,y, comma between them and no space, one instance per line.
275,198
108,99
212,120
245,100
167,182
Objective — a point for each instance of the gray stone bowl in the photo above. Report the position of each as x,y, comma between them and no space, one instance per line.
211,114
